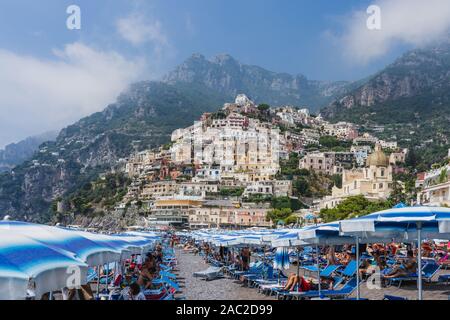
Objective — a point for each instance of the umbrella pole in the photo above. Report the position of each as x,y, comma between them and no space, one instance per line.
318,270
358,293
298,267
107,276
419,260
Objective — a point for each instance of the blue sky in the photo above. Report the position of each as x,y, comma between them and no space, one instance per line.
287,35
52,76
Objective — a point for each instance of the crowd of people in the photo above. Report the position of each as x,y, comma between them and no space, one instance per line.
390,260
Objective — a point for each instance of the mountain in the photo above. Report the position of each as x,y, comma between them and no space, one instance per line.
410,98
419,80
143,117
16,153
227,76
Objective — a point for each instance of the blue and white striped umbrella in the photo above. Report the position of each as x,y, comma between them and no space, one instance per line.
401,224
81,245
23,258
289,239
274,234
408,223
281,261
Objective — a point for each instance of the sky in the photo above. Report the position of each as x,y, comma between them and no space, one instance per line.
51,76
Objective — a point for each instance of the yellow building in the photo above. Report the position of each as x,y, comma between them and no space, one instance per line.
373,182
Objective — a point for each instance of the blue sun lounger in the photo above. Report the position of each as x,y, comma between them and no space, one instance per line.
394,298
343,292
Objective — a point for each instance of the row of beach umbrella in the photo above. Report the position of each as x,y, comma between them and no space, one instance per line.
400,224
53,258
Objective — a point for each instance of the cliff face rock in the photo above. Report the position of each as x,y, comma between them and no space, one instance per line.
418,75
16,153
229,77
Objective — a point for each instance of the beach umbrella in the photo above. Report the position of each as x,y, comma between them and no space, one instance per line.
324,234
271,235
328,234
91,252
400,205
290,239
13,281
23,258
408,223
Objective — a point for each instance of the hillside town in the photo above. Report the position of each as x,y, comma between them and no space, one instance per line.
225,171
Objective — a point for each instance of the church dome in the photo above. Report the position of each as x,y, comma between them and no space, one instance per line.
378,158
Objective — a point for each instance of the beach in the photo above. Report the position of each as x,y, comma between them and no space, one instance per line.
221,289
229,289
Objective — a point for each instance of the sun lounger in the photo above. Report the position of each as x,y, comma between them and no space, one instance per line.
444,278
429,270
394,298
209,274
344,292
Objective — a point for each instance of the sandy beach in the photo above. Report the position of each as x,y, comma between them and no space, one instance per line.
229,289
221,289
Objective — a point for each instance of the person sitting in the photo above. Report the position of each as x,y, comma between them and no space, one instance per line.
245,256
407,267
133,292
146,275
331,256
427,249
297,283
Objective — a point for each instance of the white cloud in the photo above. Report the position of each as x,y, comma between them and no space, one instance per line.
139,30
38,95
411,22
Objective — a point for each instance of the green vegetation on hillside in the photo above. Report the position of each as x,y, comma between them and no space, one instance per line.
102,194
353,207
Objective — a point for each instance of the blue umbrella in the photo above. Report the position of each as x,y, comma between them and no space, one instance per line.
23,258
281,261
408,223
71,242
323,234
290,239
400,205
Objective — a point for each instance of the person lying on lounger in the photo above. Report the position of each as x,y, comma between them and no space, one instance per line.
407,267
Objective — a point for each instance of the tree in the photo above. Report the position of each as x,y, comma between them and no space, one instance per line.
337,180
263,107
353,207
301,187
277,215
291,220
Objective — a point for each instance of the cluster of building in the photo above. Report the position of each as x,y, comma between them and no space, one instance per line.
219,171
374,181
434,186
